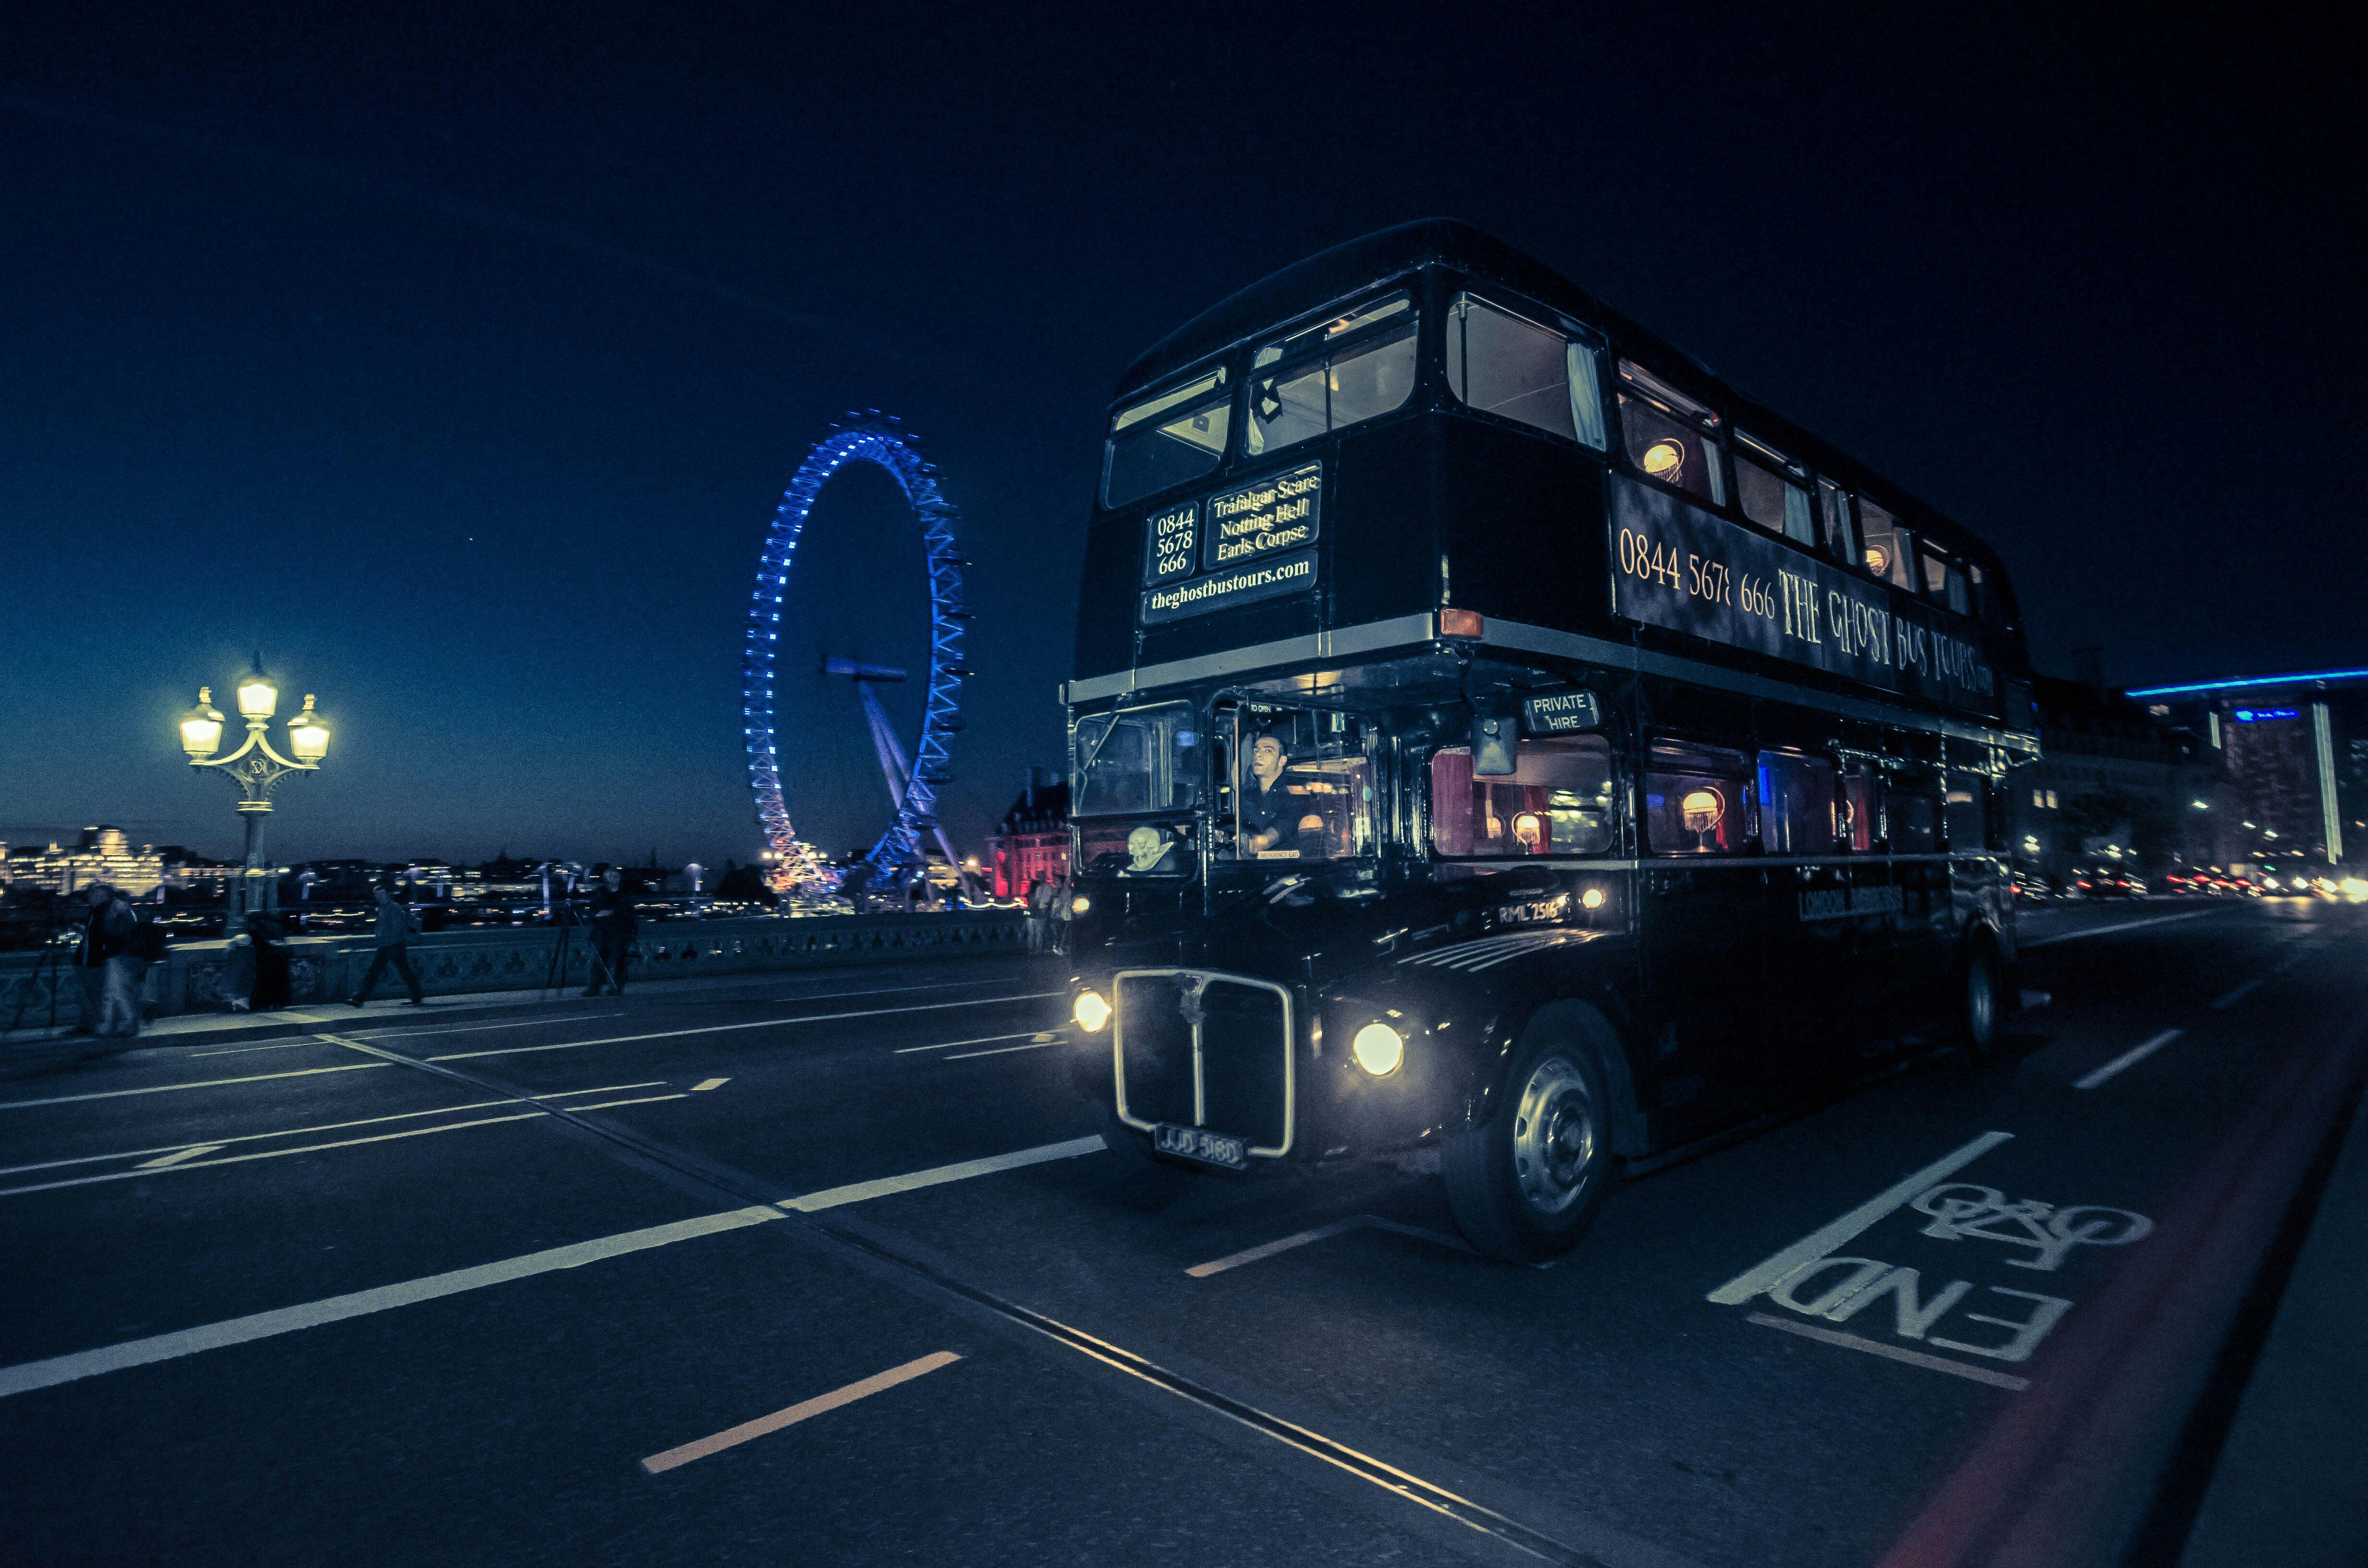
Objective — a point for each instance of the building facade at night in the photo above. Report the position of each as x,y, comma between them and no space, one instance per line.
2114,784
2292,764
1031,844
101,854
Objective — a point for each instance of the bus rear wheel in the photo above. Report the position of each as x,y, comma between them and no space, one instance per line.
1525,1185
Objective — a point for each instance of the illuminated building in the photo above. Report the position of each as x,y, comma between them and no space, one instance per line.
2115,783
2293,763
101,854
1031,844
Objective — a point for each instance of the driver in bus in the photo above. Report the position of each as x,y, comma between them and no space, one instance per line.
1262,807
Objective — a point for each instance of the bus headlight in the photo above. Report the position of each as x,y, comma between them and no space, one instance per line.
1080,904
1378,1050
1591,898
1091,1012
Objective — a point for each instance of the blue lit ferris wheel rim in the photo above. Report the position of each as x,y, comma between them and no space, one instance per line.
878,439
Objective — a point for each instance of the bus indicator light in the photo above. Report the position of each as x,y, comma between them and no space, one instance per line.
1460,623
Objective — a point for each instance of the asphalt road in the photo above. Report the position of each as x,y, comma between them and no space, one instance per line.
523,1290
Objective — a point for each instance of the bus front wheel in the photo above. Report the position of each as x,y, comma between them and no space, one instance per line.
1525,1185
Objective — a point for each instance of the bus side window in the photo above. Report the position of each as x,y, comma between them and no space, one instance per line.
1503,365
1840,543
1558,802
1857,808
1911,815
1965,815
1697,799
1945,581
1890,549
1670,437
1797,803
1771,489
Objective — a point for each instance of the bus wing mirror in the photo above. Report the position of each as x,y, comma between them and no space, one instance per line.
1495,752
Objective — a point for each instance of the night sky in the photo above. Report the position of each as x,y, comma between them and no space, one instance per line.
457,364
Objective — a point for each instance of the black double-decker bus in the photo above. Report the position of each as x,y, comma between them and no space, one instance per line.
1491,732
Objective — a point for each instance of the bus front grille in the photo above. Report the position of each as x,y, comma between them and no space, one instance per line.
1205,1050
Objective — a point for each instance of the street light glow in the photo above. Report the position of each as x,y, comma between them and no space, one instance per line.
259,693
201,726
308,733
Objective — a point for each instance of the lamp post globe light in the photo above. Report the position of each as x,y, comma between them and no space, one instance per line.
254,767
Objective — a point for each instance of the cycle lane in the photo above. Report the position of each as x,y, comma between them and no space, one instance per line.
1610,1382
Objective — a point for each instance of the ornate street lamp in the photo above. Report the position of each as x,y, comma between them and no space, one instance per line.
255,767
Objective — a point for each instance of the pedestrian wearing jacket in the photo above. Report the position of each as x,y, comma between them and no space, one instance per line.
613,928
124,998
105,927
396,926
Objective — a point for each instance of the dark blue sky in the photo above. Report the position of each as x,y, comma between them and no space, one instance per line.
458,365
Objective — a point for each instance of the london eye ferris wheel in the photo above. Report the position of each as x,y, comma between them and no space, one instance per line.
878,439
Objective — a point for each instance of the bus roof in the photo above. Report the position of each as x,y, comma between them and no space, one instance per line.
1313,283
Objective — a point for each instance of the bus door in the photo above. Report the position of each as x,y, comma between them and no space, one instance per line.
1816,941
1703,936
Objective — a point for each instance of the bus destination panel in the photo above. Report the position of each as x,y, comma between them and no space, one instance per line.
1171,543
1677,567
1252,541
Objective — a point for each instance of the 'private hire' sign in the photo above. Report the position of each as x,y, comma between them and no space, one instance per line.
1677,566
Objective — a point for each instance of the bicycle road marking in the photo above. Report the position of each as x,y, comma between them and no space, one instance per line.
1819,1242
1894,1352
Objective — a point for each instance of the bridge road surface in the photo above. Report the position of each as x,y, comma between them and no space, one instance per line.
829,1269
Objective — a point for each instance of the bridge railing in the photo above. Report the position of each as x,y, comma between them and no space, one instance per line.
39,989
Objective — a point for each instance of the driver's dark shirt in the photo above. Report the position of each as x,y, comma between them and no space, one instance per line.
1262,809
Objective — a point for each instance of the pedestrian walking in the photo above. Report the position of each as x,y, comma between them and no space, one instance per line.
123,1005
103,935
1039,916
614,926
395,929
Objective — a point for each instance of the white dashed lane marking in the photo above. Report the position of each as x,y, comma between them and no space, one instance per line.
2130,1058
731,1436
28,1375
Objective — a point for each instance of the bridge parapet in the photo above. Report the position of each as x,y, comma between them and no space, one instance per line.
39,989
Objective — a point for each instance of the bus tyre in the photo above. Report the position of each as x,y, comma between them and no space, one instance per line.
1981,1002
1525,1185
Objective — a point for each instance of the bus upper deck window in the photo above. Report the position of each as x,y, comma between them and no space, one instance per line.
1890,549
1500,363
1557,802
1165,440
1351,368
1773,491
1669,436
1842,543
1697,801
1945,581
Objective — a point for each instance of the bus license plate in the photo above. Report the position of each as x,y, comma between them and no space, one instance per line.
1199,1143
